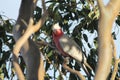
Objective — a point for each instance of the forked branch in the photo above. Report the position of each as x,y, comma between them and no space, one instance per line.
108,14
26,10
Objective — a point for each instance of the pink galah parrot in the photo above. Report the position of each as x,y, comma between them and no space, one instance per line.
68,47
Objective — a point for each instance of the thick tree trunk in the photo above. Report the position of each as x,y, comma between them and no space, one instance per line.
29,50
107,16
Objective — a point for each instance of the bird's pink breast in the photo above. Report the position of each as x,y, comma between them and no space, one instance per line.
57,44
58,32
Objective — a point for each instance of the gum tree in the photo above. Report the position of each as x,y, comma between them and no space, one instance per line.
79,20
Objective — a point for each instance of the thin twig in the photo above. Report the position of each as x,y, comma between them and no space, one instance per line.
39,43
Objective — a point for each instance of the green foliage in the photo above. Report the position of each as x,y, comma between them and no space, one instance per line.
66,12
78,19
118,20
6,45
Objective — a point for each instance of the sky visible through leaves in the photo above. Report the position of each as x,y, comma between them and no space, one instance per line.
10,8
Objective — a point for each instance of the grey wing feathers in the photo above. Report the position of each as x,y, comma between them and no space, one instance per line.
70,47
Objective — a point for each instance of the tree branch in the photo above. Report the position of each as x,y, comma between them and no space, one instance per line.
115,69
116,61
39,43
29,50
43,5
65,61
17,68
41,74
73,71
114,50
101,5
30,30
108,15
